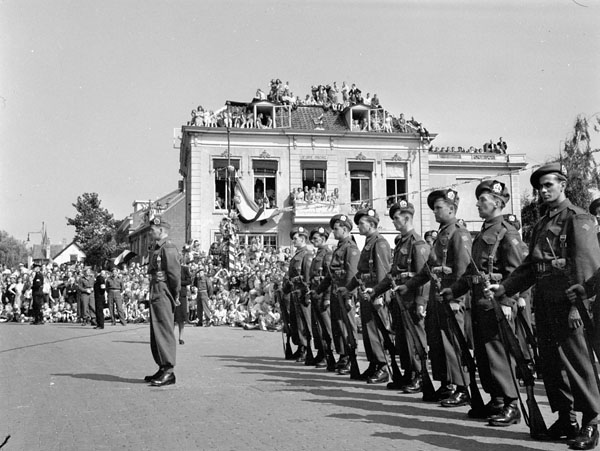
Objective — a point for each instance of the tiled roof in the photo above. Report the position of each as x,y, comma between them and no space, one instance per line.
39,253
307,118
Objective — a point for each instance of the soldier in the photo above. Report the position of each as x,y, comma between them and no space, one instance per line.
595,212
85,286
341,271
37,292
164,271
563,251
410,254
297,287
497,251
448,260
320,304
373,266
114,290
99,297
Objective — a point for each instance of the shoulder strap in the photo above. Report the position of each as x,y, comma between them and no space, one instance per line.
492,255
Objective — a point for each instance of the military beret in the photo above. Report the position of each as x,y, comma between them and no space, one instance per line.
495,188
448,195
343,219
513,221
431,233
369,213
159,222
594,206
402,207
300,231
321,231
552,168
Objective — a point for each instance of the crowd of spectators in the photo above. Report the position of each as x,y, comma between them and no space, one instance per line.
314,195
488,147
328,96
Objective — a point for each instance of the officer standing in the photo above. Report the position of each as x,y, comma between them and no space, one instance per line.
410,254
563,251
164,271
320,304
497,251
114,289
99,297
341,271
448,260
373,267
297,287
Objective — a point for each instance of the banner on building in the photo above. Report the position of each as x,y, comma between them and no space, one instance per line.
249,211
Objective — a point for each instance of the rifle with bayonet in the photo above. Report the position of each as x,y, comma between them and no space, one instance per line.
285,330
459,342
301,302
533,417
409,325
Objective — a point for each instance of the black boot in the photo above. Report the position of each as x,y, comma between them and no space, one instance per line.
380,375
510,415
330,361
489,410
563,428
342,362
368,372
458,399
416,386
587,438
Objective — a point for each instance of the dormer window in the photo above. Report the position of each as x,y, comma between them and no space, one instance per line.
269,115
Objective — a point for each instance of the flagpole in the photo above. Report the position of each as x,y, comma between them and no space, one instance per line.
228,159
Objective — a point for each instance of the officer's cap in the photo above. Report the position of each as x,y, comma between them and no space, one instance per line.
594,206
342,219
495,188
368,213
321,231
448,195
300,231
159,222
552,168
403,207
513,221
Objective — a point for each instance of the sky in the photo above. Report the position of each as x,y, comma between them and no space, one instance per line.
91,92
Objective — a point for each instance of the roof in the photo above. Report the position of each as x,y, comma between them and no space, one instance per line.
39,252
308,117
72,243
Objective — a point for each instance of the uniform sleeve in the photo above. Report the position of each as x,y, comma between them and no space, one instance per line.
585,252
383,255
461,244
521,278
461,286
511,253
305,269
421,253
351,266
172,268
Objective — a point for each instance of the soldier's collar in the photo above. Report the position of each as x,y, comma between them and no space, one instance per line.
559,208
162,241
445,226
492,221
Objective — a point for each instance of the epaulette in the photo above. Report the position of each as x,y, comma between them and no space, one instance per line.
577,210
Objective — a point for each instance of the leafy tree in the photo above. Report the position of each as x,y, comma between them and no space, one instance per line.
582,174
95,230
12,251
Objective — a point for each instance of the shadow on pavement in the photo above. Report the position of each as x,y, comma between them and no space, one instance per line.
375,401
101,377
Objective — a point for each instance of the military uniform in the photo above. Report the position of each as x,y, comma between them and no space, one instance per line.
410,254
320,305
85,286
563,251
114,290
99,296
297,287
448,259
341,271
373,267
497,251
37,293
164,270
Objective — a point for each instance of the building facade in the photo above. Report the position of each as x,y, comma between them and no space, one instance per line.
312,162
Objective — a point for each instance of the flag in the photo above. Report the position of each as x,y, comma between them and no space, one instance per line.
248,210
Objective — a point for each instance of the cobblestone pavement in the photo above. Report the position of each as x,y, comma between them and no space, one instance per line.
68,387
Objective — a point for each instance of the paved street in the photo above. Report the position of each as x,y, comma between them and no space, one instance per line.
67,387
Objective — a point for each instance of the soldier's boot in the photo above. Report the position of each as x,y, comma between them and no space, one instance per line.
331,365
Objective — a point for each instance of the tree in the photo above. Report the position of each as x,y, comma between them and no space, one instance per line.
95,230
12,251
582,174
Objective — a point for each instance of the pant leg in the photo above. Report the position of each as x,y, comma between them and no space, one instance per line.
120,310
111,306
338,327
99,301
162,336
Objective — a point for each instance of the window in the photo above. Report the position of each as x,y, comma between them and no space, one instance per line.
264,240
73,258
395,184
360,185
314,174
223,193
265,182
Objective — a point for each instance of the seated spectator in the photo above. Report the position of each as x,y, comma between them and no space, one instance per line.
501,145
260,95
375,102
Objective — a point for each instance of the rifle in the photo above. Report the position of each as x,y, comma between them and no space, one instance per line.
285,330
351,341
459,343
318,316
533,417
522,322
384,336
409,325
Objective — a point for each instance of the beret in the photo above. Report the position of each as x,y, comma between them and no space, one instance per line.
402,206
551,168
341,218
321,231
495,188
449,195
300,231
369,213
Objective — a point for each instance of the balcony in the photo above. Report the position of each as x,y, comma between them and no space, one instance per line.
314,212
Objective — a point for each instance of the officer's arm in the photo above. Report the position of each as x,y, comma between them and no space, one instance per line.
521,278
351,265
461,242
421,251
461,286
511,253
172,268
